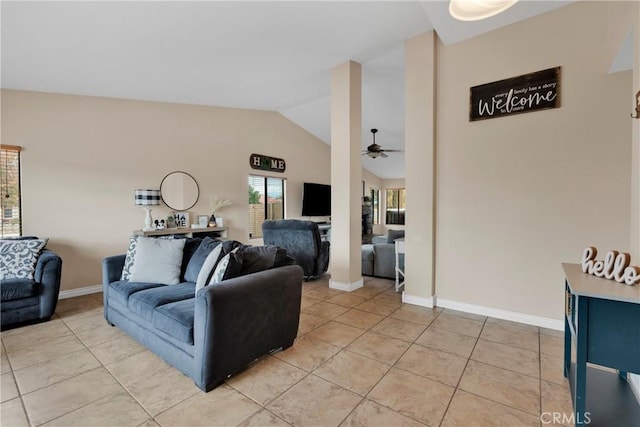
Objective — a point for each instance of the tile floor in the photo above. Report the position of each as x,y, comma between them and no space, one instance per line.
361,359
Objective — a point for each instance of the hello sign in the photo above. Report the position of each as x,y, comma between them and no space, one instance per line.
614,267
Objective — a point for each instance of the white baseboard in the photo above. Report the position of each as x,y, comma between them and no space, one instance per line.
333,284
513,316
87,290
429,302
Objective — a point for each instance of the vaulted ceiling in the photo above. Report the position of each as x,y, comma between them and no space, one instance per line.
258,55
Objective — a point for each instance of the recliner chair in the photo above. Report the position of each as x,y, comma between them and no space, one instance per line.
302,241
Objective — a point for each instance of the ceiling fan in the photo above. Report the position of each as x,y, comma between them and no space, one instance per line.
374,150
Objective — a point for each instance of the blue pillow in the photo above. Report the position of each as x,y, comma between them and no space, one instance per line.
198,258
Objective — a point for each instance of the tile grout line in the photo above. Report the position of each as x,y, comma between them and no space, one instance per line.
457,387
24,408
370,329
103,366
540,383
365,397
308,373
494,401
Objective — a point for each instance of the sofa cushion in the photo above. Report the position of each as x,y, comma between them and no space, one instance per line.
143,303
128,260
176,319
259,258
158,261
208,267
22,309
228,267
392,235
367,253
191,244
127,269
121,291
18,258
197,259
13,289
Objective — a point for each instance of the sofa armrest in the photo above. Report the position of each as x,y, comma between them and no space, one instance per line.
48,273
111,272
240,319
384,262
112,268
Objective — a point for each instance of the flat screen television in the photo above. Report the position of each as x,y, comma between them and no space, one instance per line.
316,199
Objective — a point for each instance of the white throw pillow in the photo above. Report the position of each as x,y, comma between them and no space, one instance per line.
18,258
157,261
221,268
207,267
127,269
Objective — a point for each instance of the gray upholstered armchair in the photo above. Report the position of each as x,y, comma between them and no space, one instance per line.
302,241
26,301
379,257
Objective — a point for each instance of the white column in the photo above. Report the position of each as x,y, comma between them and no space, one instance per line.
635,141
420,170
635,160
346,177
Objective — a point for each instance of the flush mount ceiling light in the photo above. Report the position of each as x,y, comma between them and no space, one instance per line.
475,10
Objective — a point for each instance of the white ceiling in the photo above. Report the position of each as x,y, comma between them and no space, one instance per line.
260,55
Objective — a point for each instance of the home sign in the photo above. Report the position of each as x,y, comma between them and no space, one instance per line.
266,163
614,267
521,94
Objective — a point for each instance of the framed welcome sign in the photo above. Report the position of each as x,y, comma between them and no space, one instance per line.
521,94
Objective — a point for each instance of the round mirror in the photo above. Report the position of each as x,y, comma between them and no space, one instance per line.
179,191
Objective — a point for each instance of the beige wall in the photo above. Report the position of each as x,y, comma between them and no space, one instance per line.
518,195
84,156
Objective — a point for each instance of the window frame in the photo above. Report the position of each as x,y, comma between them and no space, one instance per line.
4,160
399,211
266,179
375,205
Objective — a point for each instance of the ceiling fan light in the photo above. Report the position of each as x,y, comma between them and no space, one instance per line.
373,154
475,10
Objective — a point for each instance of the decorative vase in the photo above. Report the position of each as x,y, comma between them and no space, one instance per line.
212,220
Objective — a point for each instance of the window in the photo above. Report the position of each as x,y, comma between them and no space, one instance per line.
395,206
11,222
375,203
266,201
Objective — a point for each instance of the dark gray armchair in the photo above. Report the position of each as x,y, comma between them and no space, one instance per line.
26,301
302,241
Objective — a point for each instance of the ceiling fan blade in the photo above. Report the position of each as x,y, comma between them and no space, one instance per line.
393,151
382,154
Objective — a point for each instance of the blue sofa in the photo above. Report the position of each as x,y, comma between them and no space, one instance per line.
215,333
26,301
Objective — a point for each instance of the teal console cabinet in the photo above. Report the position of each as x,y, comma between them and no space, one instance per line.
602,329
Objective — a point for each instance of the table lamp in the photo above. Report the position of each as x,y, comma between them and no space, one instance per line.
146,199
